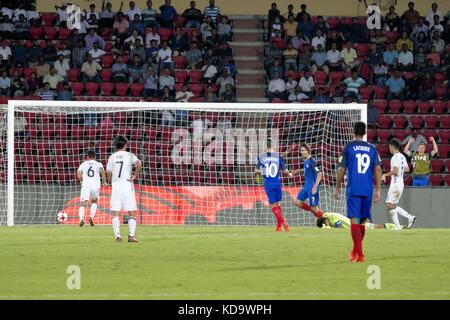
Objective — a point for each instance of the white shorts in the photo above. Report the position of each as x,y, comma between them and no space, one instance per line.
394,193
89,192
123,197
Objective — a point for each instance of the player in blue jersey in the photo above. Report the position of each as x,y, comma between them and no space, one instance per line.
271,165
361,161
311,187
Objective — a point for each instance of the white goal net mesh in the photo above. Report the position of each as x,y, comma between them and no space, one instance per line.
198,160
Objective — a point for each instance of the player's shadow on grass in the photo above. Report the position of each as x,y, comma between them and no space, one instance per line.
287,266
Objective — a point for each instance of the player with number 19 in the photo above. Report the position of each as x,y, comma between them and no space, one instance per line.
89,174
270,164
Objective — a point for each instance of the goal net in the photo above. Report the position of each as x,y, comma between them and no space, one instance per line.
198,159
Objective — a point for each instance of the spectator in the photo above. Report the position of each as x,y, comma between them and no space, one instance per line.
19,54
166,95
52,78
138,50
405,59
349,57
416,149
22,28
61,66
46,93
132,11
429,66
436,26
84,26
33,54
277,87
79,55
374,57
5,84
404,40
289,12
6,11
136,71
420,59
49,52
372,113
206,28
168,14
152,35
337,38
353,84
434,11
411,15
290,28
166,80
291,84
32,15
91,12
224,29
434,56
42,68
392,19
300,40
32,84
120,71
404,27
184,95
223,80
412,87
427,87
165,56
67,54
395,86
321,25
194,57
379,39
297,95
305,26
307,84
91,38
107,16
273,13
179,41
333,60
150,62
136,24
96,52
75,38
417,140
277,38
342,28
321,97
210,94
380,72
338,96
319,39
193,16
290,58
437,42
228,95
276,68
419,27
213,41
358,32
150,15
7,28
93,22
151,84
121,27
153,50
390,57
209,71
131,40
304,59
91,70
229,65
303,14
65,94
421,40
212,11
17,88
319,59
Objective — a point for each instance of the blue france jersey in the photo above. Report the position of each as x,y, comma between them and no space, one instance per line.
271,164
311,170
360,158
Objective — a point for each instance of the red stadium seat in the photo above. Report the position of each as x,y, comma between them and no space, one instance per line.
332,22
439,77
196,76
77,88
180,61
106,88
386,163
431,121
447,180
439,106
380,105
409,106
365,92
91,88
28,71
444,136
91,132
416,122
73,75
320,77
108,46
384,122
121,89
395,106
444,150
36,32
391,36
447,165
50,33
181,76
165,33
445,122
362,49
106,75
384,135
197,99
64,33
437,165
400,122
380,92
408,180
424,106
196,89
401,134
291,73
372,135
49,18
383,150
107,60
336,76
436,180
136,89
440,92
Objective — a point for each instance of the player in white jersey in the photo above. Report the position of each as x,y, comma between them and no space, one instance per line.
89,174
120,173
399,166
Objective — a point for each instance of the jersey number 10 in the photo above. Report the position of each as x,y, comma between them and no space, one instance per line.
271,170
363,162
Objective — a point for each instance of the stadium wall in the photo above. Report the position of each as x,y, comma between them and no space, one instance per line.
430,205
260,7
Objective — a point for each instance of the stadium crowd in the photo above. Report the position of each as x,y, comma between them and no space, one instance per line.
155,53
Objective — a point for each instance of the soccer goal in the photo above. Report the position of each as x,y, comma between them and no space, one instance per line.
198,158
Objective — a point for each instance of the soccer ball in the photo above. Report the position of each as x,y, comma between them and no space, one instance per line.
61,217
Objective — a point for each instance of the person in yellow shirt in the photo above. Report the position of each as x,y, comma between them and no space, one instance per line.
349,57
290,28
404,40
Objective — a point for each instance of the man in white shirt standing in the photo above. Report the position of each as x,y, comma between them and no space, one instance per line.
399,166
434,11
277,87
318,39
120,172
165,56
132,11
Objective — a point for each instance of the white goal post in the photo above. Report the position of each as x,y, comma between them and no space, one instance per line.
198,158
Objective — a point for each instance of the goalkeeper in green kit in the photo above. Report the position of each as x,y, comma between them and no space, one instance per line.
335,220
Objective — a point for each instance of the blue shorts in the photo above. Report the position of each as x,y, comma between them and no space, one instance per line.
359,207
421,181
305,193
274,194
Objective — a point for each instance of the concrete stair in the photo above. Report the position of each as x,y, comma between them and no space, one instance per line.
248,47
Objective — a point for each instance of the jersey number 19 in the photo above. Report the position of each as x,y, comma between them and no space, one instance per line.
363,162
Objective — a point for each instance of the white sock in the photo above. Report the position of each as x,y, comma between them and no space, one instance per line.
116,226
394,217
81,213
404,213
93,210
132,226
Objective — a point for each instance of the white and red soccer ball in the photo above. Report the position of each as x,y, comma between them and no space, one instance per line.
61,217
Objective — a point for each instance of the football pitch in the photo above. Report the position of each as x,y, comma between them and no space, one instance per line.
187,262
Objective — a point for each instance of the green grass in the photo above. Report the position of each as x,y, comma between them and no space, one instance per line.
221,263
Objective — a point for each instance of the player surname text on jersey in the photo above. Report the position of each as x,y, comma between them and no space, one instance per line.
361,148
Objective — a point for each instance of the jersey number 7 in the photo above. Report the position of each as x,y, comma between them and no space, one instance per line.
121,166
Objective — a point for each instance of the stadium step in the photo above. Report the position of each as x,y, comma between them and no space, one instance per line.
248,36
250,64
247,23
251,79
251,92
